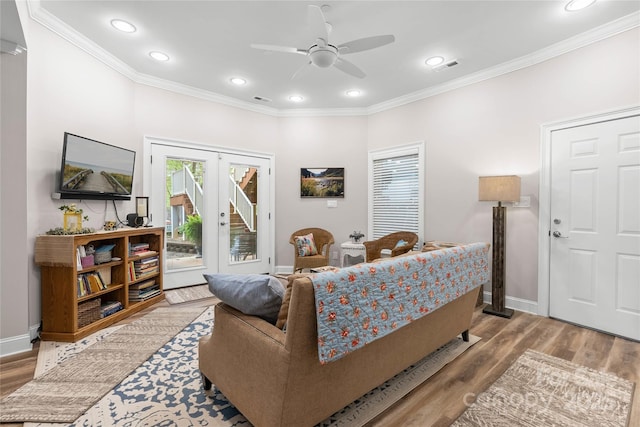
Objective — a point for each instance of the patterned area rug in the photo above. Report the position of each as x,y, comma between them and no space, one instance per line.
166,390
542,390
67,390
190,293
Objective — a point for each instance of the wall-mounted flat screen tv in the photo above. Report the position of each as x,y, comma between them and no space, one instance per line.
95,170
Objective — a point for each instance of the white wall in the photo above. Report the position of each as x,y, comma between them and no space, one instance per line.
14,292
320,142
70,91
493,128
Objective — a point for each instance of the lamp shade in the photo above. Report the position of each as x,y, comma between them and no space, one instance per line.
499,188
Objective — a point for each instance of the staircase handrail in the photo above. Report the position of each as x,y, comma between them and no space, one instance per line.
183,182
242,204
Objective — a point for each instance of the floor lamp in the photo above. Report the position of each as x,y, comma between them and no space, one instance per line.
499,189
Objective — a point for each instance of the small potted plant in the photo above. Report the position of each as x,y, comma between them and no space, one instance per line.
192,231
356,236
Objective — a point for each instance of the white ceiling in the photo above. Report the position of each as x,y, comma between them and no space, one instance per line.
209,42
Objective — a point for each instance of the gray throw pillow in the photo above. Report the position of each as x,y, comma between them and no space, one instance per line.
254,294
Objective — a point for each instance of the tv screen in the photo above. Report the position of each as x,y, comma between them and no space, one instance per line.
95,170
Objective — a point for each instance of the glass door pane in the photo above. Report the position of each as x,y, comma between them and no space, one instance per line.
244,214
183,212
243,207
184,198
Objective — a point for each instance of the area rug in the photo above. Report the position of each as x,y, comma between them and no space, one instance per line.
67,390
542,390
190,293
167,389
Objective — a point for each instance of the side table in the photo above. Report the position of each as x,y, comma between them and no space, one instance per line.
352,253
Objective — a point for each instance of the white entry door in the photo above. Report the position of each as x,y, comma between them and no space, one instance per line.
594,264
215,208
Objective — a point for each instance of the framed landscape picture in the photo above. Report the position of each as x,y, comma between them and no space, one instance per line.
322,182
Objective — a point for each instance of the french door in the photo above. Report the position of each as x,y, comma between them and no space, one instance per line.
215,208
595,226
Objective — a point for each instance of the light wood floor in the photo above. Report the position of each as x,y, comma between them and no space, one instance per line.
441,399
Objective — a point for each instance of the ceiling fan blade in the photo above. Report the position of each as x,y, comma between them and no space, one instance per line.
349,68
315,20
302,70
365,44
275,48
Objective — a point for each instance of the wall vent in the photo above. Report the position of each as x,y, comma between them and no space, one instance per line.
261,98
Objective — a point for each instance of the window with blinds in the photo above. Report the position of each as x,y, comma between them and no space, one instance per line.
396,191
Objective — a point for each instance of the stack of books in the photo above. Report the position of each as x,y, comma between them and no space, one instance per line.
88,283
142,268
141,248
109,307
143,291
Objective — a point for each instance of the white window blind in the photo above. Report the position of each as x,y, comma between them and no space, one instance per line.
396,193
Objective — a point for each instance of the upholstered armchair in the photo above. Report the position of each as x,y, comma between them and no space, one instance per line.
323,241
390,241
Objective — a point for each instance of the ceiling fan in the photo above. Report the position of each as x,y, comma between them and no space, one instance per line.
324,54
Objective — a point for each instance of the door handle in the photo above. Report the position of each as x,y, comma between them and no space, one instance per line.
559,235
223,223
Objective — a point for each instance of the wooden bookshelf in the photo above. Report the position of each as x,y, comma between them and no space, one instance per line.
64,309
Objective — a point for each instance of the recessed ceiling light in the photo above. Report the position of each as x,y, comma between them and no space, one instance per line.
434,60
123,26
239,81
575,5
295,98
353,92
159,56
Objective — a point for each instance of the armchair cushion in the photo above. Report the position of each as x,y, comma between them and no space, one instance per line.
400,243
306,245
253,294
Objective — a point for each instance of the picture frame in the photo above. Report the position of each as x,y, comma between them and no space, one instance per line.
142,207
322,183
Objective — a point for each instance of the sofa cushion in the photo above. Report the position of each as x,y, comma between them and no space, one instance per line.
306,245
281,323
254,294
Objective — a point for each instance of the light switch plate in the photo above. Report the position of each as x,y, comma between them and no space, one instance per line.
525,202
332,203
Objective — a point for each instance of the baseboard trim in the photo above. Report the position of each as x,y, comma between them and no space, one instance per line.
518,304
14,345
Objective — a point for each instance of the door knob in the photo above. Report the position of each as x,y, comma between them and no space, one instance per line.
223,223
559,235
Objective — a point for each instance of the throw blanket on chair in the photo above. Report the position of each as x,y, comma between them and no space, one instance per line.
364,302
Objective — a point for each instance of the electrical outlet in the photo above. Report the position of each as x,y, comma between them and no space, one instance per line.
332,203
525,202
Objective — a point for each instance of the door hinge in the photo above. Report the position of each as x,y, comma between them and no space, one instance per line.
269,260
150,159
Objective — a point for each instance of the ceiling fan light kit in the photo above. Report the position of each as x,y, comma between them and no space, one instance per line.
323,54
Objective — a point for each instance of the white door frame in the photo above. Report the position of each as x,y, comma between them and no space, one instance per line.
146,174
544,197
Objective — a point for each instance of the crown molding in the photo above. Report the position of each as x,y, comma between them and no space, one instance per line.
576,42
51,22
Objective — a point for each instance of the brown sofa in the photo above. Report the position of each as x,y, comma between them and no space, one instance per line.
274,378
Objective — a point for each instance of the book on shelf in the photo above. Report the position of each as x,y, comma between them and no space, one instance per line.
107,308
139,248
143,267
143,291
89,283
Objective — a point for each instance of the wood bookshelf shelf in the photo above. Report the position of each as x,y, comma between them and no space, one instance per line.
61,277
